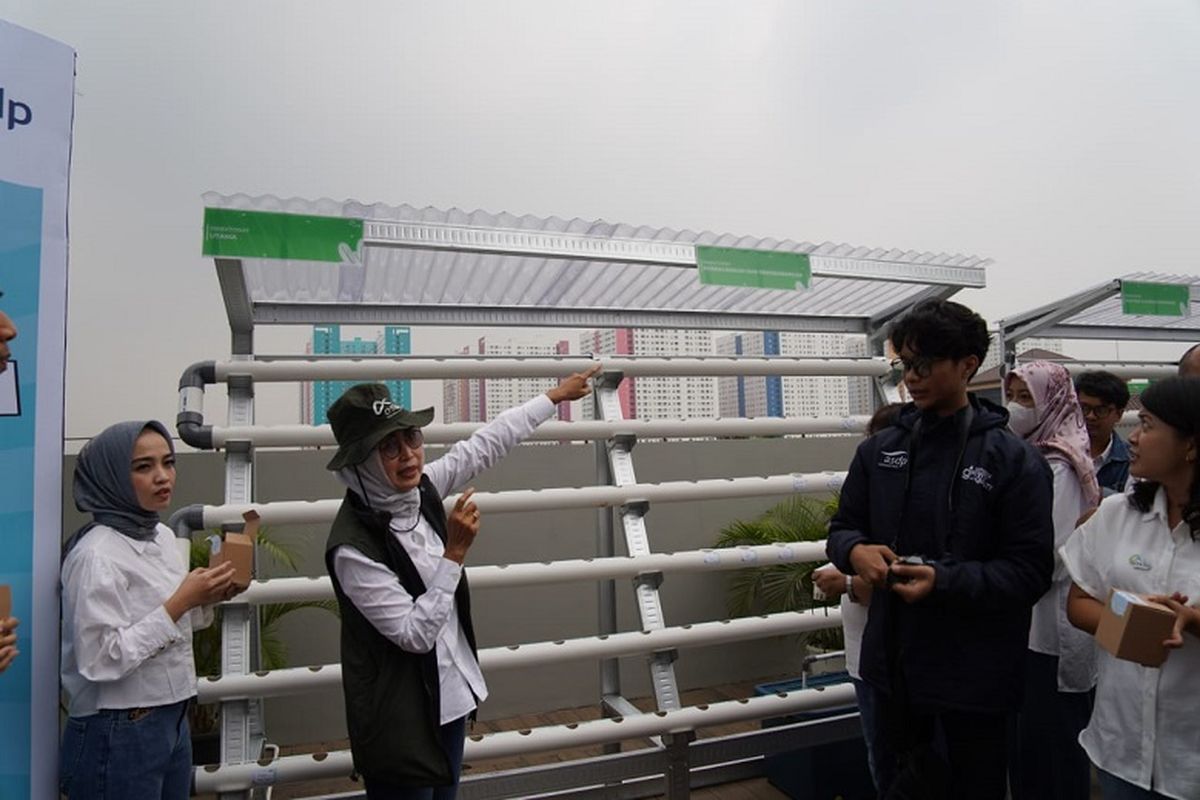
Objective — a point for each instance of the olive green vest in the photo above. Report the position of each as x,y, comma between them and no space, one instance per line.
392,696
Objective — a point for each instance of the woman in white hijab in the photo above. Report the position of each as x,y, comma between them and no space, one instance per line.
410,674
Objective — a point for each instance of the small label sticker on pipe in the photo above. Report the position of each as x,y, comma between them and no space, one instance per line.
799,483
749,557
712,558
264,777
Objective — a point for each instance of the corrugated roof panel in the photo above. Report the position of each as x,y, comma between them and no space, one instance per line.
1108,313
414,276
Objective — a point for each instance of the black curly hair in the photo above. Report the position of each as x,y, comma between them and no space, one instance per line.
941,329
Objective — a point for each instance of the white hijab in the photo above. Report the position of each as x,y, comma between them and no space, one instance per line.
370,482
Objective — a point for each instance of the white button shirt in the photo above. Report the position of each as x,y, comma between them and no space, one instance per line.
1145,728
432,619
120,648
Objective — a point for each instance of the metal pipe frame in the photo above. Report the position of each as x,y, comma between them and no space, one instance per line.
284,512
192,428
435,368
507,576
298,680
1125,370
290,769
590,430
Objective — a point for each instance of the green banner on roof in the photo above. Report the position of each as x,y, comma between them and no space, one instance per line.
229,233
1156,299
730,266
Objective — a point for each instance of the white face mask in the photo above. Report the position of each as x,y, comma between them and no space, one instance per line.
1021,420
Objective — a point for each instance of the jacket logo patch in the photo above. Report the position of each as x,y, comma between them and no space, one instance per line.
979,476
894,459
1139,563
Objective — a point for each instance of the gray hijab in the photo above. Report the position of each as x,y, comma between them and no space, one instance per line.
103,484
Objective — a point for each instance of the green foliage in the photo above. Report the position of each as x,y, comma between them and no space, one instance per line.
206,643
781,587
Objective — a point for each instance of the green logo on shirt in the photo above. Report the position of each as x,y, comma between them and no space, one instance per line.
1137,562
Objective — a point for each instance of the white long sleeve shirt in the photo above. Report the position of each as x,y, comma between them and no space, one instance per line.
1146,722
120,648
431,620
1050,632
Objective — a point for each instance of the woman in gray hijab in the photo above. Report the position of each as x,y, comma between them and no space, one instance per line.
129,606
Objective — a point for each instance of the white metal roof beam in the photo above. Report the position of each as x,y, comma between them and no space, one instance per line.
238,308
551,244
1031,323
553,317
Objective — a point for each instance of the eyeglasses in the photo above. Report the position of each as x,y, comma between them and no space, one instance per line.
1090,410
411,437
920,366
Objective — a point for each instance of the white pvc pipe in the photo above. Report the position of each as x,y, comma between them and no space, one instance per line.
1122,370
281,682
286,512
284,590
292,769
417,369
322,435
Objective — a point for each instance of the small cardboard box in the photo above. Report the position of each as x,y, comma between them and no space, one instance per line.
5,601
1133,628
237,548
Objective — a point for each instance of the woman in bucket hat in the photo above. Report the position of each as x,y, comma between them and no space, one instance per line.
410,674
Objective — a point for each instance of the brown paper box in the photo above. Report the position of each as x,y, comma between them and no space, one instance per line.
5,601
238,548
1133,628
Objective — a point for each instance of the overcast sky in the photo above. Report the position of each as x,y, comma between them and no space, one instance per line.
1059,139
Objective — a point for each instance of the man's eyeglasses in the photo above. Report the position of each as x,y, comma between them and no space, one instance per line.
920,366
1090,410
411,437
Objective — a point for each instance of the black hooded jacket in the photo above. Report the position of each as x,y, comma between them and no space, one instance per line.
967,494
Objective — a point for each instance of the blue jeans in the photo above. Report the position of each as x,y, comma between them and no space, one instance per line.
127,753
454,735
1114,788
879,746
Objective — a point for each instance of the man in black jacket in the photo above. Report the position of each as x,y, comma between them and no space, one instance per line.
949,483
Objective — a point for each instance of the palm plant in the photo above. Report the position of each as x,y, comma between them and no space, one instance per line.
781,587
206,643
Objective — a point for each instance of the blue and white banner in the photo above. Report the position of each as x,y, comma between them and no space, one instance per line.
37,90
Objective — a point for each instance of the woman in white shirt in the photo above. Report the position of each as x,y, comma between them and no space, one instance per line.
1145,729
1060,662
129,605
410,674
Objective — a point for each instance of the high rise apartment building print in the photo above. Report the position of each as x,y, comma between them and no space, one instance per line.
481,399
792,396
317,396
656,398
